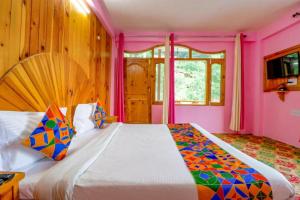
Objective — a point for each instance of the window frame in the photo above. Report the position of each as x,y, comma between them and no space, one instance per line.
210,62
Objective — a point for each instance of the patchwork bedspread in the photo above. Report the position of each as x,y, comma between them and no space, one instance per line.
218,174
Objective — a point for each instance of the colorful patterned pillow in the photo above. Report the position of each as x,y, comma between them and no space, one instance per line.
99,115
53,135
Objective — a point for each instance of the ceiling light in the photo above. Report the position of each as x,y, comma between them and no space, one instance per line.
90,3
98,37
81,6
84,6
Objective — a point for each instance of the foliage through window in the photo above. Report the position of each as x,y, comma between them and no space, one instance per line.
196,54
190,81
181,52
216,76
145,54
159,81
199,76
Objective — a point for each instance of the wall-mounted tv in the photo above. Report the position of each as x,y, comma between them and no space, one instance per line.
285,66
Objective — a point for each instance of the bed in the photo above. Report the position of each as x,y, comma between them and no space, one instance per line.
132,162
121,161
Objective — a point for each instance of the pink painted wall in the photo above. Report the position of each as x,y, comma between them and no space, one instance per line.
278,121
212,118
265,114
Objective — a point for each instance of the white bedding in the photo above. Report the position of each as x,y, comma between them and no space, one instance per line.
36,171
142,162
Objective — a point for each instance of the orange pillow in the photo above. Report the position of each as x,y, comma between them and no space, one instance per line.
53,135
99,115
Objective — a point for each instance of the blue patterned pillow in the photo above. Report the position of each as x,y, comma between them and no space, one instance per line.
99,115
53,135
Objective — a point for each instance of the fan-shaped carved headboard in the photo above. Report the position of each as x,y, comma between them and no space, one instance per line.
35,82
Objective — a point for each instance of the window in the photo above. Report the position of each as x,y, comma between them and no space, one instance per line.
181,52
216,76
199,76
190,81
145,54
159,52
196,54
159,81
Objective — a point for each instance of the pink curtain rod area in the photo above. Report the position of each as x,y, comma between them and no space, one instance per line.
184,36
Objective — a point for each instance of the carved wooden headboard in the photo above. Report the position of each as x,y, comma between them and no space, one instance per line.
35,82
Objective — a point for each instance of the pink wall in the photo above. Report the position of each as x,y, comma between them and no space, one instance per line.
265,114
278,121
212,118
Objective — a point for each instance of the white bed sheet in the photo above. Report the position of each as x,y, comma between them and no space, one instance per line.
142,162
36,171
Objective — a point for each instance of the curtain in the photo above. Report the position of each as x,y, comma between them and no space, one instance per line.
237,111
169,83
172,83
166,82
119,111
242,82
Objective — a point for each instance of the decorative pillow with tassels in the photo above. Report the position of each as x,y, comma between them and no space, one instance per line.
99,115
53,135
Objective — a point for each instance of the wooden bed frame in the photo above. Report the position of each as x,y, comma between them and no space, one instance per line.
39,80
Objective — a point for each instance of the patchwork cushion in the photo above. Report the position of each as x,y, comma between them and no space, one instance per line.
53,135
99,115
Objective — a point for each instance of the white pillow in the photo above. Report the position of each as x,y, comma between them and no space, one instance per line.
14,128
83,117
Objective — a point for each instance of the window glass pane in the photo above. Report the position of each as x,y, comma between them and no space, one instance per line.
146,54
190,81
215,83
159,52
196,54
181,52
159,81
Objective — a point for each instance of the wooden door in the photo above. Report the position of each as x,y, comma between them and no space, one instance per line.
137,91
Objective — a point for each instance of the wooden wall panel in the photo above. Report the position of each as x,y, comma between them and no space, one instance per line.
4,35
29,27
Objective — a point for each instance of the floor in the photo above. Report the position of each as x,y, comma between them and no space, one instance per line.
283,157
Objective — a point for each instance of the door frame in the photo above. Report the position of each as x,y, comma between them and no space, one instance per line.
155,61
150,77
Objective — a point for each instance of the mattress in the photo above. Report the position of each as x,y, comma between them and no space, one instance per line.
142,162
36,171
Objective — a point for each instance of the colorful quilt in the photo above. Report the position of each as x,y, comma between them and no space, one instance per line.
282,157
218,174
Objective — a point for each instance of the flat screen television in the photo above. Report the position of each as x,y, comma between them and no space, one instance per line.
282,67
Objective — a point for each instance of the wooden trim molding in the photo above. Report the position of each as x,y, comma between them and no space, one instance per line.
208,102
179,45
